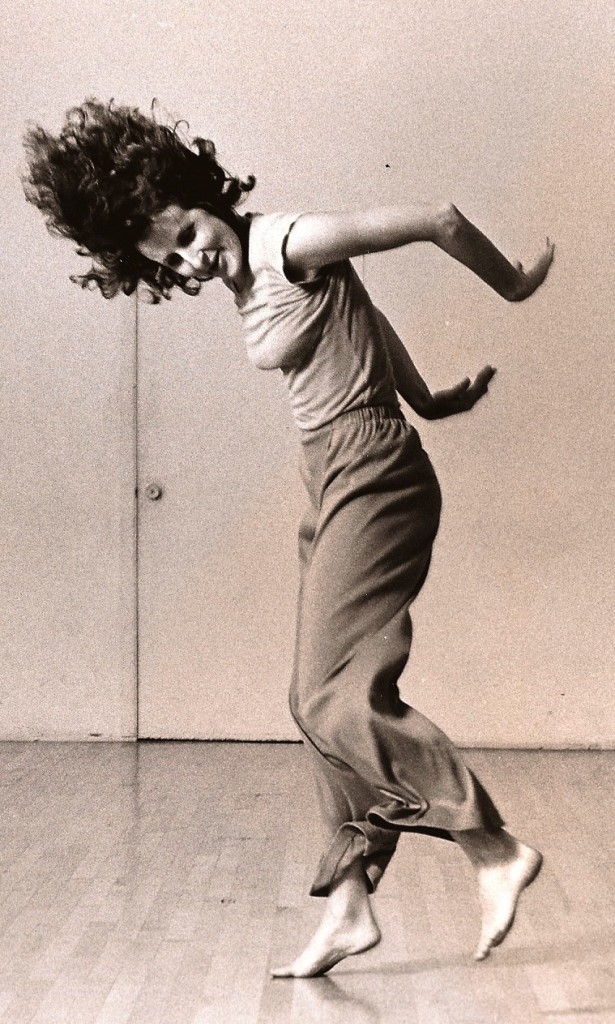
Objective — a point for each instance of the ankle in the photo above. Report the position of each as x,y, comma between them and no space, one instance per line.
348,899
487,849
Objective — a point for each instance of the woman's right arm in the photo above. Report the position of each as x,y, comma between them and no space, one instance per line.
466,244
318,239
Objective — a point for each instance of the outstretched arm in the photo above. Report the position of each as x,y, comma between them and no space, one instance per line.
413,389
318,239
465,243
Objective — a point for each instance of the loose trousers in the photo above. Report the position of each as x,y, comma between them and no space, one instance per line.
365,546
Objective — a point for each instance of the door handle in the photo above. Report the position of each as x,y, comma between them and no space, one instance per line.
153,492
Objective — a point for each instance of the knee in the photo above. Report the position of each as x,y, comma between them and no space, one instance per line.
308,704
293,702
300,705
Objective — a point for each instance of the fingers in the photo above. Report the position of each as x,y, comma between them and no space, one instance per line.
533,275
461,397
481,384
546,259
486,374
483,377
543,263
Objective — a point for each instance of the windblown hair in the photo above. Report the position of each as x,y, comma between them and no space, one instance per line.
107,174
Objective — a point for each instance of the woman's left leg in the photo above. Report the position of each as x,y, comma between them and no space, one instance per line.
504,867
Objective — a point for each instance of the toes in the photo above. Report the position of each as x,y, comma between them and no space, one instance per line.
300,969
314,971
312,968
486,944
282,972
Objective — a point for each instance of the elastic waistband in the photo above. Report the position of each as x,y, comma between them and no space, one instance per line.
364,414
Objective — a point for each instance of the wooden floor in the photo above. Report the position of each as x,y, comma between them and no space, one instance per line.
156,884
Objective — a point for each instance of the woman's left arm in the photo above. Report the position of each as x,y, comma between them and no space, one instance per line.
318,239
410,385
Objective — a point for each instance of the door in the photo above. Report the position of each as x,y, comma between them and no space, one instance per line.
219,500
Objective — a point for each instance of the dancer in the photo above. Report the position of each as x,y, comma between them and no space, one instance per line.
156,210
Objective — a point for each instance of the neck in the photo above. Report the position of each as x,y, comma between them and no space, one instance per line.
241,227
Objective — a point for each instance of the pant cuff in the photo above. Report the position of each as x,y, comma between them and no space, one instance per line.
352,842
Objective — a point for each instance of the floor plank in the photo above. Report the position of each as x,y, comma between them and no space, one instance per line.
158,883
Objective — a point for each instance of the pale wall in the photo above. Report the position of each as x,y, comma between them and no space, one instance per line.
501,108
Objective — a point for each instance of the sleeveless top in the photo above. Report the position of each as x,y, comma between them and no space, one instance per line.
325,335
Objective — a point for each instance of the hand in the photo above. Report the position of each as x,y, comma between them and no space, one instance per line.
460,398
531,279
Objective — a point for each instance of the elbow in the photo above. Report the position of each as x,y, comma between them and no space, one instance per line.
447,223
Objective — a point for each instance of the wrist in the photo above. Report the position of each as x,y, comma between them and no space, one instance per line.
513,294
424,405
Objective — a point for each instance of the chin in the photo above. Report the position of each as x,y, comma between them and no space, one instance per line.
231,266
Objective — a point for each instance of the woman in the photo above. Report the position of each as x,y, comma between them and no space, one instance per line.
149,207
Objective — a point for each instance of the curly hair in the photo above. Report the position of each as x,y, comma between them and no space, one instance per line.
107,174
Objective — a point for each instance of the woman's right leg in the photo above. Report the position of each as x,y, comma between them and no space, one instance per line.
375,512
381,767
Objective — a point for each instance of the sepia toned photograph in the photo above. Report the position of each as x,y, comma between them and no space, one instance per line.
307,559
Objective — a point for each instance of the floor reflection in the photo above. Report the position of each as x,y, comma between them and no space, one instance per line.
314,998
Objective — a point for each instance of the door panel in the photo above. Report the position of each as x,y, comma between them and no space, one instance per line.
217,550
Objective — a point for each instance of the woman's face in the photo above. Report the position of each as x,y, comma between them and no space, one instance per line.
195,243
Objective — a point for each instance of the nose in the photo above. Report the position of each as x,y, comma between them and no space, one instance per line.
199,260
189,257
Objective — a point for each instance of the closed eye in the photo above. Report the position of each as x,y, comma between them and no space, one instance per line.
186,235
184,238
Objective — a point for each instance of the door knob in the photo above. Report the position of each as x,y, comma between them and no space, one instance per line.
153,492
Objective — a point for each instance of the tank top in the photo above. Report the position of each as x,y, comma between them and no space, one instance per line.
325,334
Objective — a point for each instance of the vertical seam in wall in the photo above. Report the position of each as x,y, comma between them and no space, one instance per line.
136,510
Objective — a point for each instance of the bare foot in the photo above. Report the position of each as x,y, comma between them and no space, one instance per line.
348,927
499,887
333,941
